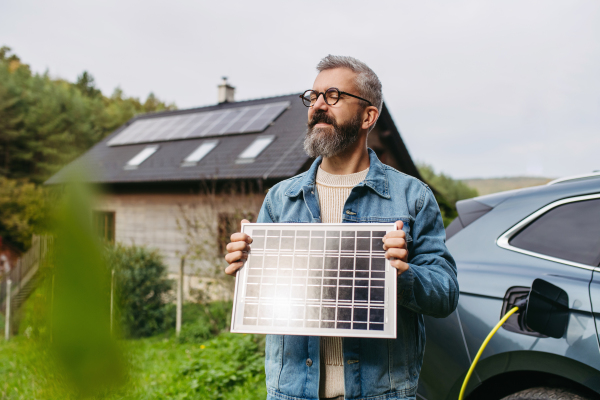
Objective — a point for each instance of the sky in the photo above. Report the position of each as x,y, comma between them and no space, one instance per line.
476,88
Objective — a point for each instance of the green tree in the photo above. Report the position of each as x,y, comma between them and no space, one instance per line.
46,123
449,191
23,211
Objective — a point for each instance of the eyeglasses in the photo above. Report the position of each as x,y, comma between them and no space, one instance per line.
331,97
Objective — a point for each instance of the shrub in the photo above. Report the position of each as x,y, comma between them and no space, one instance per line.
202,321
142,287
228,362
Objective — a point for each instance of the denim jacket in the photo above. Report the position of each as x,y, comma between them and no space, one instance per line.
374,369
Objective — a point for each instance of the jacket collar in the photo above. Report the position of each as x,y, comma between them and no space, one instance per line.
376,178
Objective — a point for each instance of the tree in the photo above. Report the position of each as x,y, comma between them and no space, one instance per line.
23,211
450,190
46,123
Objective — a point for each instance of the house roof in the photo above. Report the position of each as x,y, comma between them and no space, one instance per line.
282,158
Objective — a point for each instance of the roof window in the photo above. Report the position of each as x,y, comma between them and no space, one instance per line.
254,150
141,157
199,153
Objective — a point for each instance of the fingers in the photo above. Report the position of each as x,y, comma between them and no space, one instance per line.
399,225
237,246
401,254
233,268
400,265
394,242
236,256
241,237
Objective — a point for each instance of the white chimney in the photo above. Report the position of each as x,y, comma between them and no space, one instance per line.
226,92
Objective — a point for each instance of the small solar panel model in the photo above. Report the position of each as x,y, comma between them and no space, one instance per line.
316,280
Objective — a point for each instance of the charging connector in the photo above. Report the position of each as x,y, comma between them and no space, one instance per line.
521,304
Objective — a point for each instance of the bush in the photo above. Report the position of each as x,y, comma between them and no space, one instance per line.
202,321
142,287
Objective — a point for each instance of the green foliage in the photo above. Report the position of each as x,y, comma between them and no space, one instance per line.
46,123
228,361
142,287
161,369
23,211
201,321
449,191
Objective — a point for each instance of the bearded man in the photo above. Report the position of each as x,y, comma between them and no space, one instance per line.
347,183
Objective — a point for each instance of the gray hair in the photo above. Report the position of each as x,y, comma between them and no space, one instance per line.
367,83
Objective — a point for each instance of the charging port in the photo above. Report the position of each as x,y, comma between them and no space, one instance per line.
515,322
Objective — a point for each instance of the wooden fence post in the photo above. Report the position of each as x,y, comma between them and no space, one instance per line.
112,292
7,314
179,298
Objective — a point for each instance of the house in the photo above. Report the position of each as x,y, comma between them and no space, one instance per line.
180,181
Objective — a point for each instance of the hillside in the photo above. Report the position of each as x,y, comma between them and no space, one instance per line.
494,185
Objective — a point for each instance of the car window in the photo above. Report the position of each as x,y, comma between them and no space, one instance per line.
570,231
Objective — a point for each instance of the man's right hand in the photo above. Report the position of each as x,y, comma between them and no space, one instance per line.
237,251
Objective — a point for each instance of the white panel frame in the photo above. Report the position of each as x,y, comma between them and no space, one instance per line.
241,283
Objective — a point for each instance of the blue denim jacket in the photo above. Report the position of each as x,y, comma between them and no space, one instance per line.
374,369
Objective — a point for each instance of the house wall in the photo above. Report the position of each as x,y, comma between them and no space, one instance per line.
151,220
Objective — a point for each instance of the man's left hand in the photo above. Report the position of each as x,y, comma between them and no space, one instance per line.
396,249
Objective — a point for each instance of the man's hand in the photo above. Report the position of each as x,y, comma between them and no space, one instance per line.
396,249
237,251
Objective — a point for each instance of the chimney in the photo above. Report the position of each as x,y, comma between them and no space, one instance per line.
226,92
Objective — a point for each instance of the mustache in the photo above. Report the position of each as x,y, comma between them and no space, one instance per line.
321,116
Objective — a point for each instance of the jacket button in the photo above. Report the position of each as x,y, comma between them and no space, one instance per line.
308,362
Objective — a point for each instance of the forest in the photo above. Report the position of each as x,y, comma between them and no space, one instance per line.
45,123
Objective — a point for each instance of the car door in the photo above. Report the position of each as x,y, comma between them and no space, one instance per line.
557,243
595,297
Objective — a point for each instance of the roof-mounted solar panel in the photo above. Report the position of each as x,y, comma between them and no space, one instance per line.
201,124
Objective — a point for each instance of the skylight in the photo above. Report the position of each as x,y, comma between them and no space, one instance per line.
255,148
199,153
141,157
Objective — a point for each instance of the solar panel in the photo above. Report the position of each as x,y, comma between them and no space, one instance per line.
208,123
317,280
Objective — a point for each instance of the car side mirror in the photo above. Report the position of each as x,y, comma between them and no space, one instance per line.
547,309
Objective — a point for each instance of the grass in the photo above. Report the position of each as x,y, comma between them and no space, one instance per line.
228,366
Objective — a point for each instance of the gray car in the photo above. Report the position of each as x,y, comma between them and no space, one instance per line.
502,243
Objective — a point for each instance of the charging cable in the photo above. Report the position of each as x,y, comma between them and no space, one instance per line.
519,304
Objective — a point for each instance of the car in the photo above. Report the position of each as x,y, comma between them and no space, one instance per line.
502,243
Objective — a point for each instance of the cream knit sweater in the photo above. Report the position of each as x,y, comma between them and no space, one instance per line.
333,192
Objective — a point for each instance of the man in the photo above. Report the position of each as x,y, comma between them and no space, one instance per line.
347,183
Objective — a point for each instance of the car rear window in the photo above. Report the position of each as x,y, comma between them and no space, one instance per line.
570,232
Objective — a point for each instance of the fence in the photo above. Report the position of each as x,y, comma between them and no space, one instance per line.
21,278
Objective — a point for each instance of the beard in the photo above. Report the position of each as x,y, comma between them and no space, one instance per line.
330,141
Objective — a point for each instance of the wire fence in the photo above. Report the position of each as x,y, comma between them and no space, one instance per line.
20,278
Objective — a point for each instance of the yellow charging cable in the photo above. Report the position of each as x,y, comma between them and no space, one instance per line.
485,342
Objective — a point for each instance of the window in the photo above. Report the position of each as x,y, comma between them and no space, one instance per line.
255,149
141,157
228,223
104,225
569,232
199,153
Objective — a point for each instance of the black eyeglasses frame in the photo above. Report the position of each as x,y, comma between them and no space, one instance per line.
325,97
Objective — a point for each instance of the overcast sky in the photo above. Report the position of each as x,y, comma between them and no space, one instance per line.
477,88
